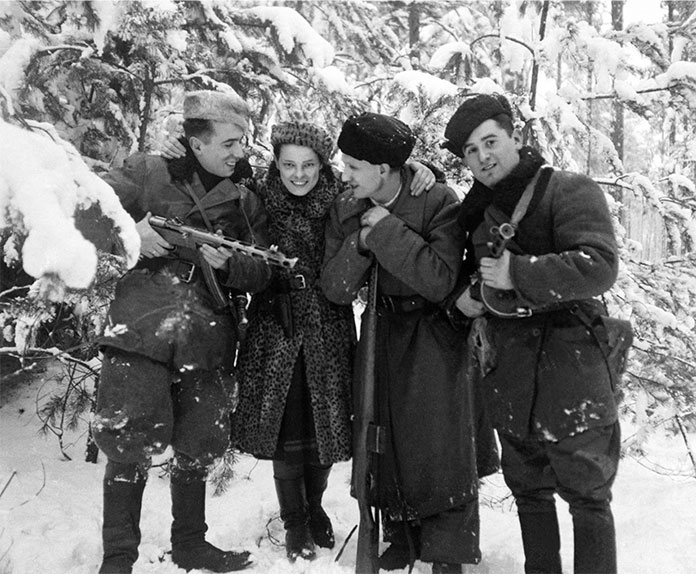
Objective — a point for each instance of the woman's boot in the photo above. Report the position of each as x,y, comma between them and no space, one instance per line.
316,480
293,512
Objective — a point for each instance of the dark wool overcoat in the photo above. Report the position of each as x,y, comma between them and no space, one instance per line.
324,334
156,314
548,375
424,400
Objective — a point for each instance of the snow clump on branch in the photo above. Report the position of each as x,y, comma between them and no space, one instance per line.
43,181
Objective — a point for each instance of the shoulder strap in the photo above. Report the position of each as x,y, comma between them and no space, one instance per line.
523,203
199,205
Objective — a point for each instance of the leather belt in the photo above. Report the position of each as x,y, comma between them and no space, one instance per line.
406,304
295,282
185,271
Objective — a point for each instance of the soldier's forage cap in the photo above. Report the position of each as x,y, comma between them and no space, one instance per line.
216,106
377,139
304,134
470,115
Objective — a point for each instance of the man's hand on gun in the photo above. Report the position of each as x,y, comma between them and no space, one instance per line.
216,257
152,244
495,271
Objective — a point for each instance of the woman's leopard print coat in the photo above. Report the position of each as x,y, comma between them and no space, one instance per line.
323,331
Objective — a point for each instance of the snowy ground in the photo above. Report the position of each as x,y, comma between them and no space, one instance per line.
50,510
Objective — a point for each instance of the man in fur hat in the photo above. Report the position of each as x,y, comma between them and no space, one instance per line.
542,243
427,475
169,345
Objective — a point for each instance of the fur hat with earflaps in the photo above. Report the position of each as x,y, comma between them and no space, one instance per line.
216,106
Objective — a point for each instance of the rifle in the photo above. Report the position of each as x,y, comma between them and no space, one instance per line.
367,438
177,233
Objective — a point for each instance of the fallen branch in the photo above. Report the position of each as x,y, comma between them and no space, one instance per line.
4,488
686,441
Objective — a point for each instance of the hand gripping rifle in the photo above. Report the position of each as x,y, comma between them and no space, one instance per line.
177,233
367,439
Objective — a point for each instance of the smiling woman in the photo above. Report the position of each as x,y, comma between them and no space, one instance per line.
295,365
299,168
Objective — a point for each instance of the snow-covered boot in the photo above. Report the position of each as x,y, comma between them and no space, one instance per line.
190,550
123,496
316,480
541,541
292,499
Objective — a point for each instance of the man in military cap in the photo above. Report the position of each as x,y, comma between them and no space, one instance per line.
547,382
427,475
168,347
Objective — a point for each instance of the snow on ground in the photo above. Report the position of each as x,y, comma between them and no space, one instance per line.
50,510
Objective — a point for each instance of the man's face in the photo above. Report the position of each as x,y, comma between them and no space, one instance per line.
219,151
491,153
362,178
299,168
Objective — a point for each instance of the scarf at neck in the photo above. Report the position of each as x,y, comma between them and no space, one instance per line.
504,195
279,201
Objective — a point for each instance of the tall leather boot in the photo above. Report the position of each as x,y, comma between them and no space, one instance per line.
541,541
595,540
316,480
190,550
123,496
293,512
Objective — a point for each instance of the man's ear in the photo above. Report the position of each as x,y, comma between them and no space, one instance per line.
517,136
195,144
384,169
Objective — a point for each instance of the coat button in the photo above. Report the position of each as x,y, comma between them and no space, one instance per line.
536,332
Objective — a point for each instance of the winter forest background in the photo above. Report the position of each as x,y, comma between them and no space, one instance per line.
606,88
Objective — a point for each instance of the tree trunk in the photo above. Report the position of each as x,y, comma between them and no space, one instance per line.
589,11
414,16
617,126
535,67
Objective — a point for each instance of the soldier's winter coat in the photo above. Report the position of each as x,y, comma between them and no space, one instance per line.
424,399
548,374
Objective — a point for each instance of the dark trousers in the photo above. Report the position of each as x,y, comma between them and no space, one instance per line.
581,469
143,406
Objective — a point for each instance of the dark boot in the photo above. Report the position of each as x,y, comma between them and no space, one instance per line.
316,480
189,547
123,496
541,541
446,568
395,557
595,540
292,499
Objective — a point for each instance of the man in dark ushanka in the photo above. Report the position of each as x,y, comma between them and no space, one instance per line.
548,386
427,476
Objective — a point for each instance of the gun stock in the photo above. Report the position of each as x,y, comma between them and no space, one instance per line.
176,233
366,438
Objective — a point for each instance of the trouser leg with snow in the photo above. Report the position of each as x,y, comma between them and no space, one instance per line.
581,469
